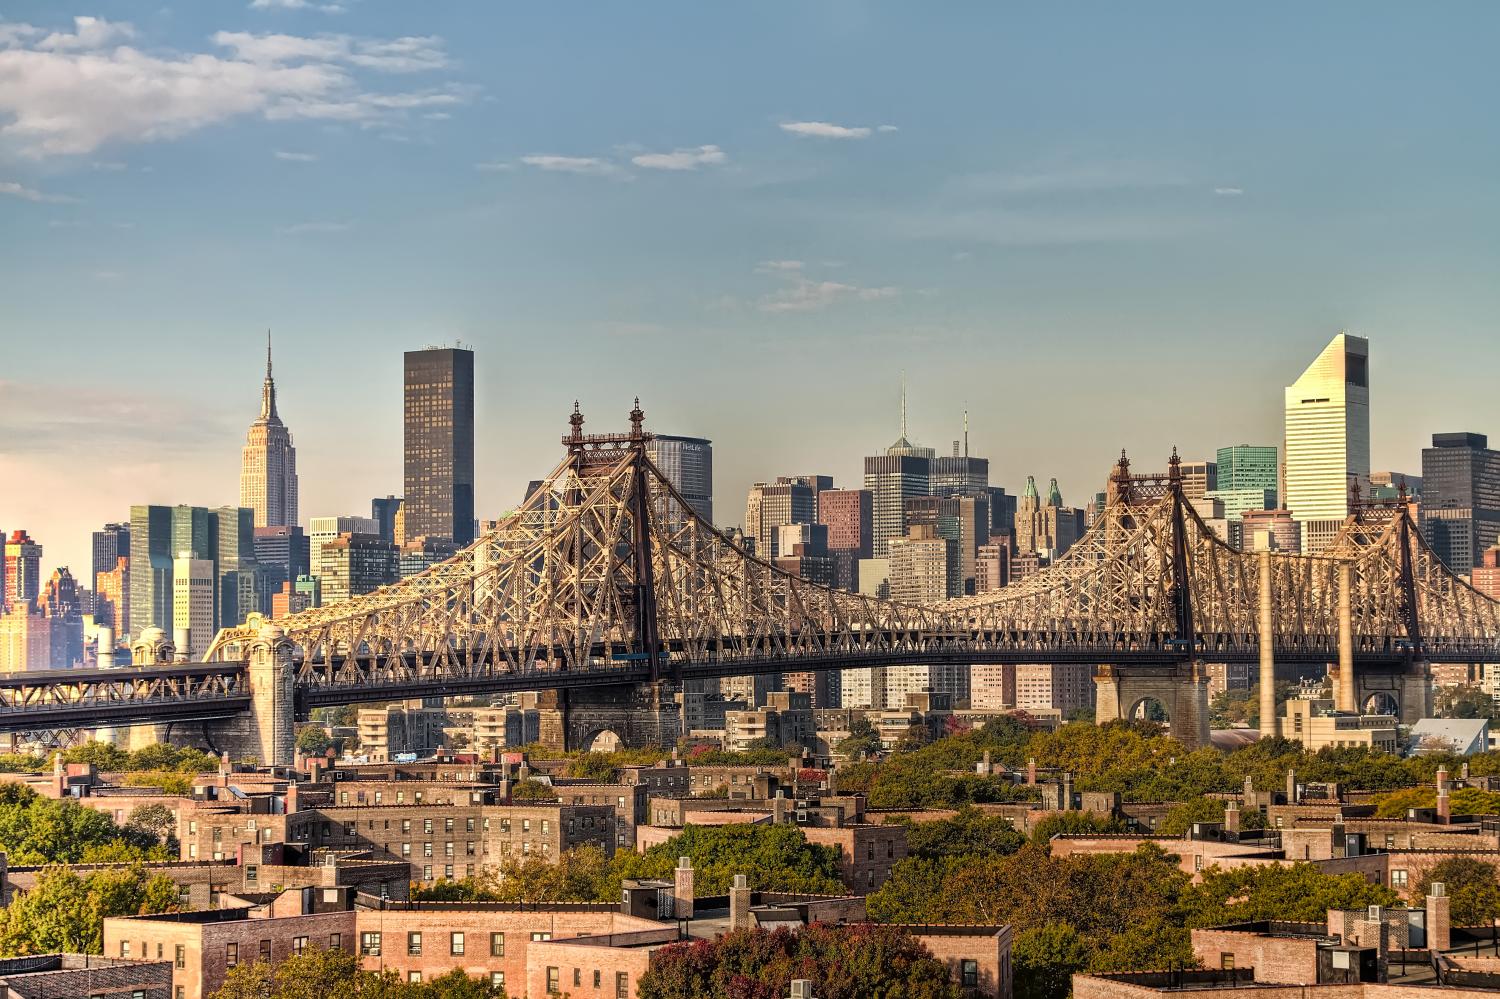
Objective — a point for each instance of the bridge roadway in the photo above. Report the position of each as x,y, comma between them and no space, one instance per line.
197,692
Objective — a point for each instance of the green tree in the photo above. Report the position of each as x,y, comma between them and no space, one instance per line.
336,974
772,857
532,790
1151,945
313,740
1473,888
1073,824
843,962
36,830
1180,818
1464,701
582,874
1045,958
969,833
65,911
1293,892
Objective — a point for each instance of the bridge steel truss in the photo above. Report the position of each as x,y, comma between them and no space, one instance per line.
605,575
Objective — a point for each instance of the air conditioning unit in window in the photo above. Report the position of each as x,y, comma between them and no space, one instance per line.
802,988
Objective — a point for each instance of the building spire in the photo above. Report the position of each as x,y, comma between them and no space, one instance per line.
268,388
903,405
966,433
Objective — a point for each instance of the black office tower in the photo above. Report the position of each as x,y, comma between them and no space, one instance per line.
439,450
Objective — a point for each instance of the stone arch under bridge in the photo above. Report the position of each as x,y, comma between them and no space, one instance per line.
1182,690
637,715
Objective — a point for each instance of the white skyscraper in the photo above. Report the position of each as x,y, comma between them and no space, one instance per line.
1327,438
268,470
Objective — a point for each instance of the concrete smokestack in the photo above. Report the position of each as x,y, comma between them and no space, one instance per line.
106,647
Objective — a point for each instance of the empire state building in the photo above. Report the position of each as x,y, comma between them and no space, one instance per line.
268,471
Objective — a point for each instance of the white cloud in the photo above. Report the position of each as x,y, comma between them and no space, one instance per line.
495,166
1229,192
72,93
825,130
16,190
89,33
682,159
327,8
291,157
801,293
571,164
304,228
886,128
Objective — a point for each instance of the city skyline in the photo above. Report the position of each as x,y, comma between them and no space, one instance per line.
1088,233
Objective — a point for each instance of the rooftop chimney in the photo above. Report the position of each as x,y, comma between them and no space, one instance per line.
1438,919
1031,772
1291,787
682,889
1443,806
1232,817
1442,779
739,904
779,807
1067,791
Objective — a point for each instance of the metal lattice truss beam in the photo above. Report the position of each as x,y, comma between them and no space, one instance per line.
605,570
65,699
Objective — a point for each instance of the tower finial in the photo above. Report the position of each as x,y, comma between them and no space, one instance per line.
966,433
268,354
903,405
268,387
636,418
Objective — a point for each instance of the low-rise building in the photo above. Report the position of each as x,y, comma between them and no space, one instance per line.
62,976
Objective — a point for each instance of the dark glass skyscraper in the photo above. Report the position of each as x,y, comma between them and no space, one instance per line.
1460,510
110,545
439,447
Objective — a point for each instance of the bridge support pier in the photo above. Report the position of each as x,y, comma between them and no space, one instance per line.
1182,690
637,715
1266,619
1344,696
1411,690
265,733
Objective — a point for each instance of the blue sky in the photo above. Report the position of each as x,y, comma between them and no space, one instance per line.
1095,225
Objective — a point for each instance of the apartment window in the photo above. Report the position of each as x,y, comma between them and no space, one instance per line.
1226,961
448,848
406,825
1398,879
1390,841
124,948
414,944
497,979
505,825
427,825
597,976
870,850
553,980
265,951
377,797
343,797
406,849
180,992
251,872
968,973
526,825
497,945
231,954
447,825
426,849
414,977
546,826
1197,862
299,945
538,937
468,825
622,985
335,941
469,848
578,977
180,958
427,872
369,944
448,871
400,797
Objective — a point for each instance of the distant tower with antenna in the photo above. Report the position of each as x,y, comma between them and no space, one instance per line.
268,464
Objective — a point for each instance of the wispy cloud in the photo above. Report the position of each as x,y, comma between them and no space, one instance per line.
306,228
292,157
800,293
327,8
494,166
25,193
828,130
571,164
682,159
1229,192
67,93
